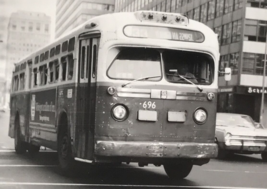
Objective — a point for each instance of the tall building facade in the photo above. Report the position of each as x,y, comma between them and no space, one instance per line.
70,13
27,32
241,26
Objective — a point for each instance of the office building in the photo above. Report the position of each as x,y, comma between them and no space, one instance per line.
70,13
241,26
27,32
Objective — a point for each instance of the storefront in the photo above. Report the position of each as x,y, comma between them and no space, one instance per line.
242,99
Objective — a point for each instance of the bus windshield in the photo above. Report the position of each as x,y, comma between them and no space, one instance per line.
196,67
132,64
135,63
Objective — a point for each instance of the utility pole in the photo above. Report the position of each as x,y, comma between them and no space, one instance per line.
263,83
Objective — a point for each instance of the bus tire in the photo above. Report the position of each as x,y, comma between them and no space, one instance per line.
66,161
33,149
20,146
264,156
178,171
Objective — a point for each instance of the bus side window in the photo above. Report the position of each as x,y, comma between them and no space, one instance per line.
16,83
51,71
22,81
45,74
41,71
64,69
57,70
70,67
35,78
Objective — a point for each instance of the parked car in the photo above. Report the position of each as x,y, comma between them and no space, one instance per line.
239,133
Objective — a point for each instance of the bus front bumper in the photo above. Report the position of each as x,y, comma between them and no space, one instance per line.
156,149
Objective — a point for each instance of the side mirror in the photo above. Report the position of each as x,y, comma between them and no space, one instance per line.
227,74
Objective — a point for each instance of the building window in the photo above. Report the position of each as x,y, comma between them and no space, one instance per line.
255,30
38,27
190,14
236,34
248,63
203,14
226,33
258,4
168,6
211,10
47,28
218,30
183,2
238,4
224,62
228,6
233,63
173,5
14,26
196,14
30,26
163,6
219,8
253,63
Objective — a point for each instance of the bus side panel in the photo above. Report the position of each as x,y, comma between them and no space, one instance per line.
19,104
13,108
42,130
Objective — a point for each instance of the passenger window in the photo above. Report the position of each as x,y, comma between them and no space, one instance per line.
16,83
70,67
51,71
22,81
57,70
64,69
35,78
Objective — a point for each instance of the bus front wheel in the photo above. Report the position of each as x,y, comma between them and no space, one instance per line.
20,146
178,171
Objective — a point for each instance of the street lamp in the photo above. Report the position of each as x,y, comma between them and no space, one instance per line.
263,82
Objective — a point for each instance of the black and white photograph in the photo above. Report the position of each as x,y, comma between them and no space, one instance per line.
114,94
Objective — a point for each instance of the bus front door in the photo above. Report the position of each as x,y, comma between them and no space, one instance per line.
86,96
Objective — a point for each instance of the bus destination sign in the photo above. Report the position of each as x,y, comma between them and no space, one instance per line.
163,33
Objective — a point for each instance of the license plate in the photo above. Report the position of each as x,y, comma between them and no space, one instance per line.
254,148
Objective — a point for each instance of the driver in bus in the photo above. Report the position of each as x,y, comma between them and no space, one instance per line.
183,70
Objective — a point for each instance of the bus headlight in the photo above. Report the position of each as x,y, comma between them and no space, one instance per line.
119,112
200,116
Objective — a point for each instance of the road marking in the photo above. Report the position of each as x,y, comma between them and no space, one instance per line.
6,150
11,150
28,165
121,185
230,171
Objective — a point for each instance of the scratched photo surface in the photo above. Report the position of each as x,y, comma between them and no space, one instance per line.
133,94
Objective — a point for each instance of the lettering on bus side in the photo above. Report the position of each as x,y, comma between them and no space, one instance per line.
43,107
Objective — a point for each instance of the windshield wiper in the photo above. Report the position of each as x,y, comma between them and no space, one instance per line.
140,79
198,87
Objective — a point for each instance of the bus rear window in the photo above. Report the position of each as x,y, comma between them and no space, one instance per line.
134,63
194,66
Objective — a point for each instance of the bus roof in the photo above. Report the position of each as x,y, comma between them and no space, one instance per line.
117,21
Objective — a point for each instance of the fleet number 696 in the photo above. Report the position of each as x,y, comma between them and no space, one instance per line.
149,105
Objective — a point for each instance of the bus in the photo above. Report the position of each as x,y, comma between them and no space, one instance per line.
124,87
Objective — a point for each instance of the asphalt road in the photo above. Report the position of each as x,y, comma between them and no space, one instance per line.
41,171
